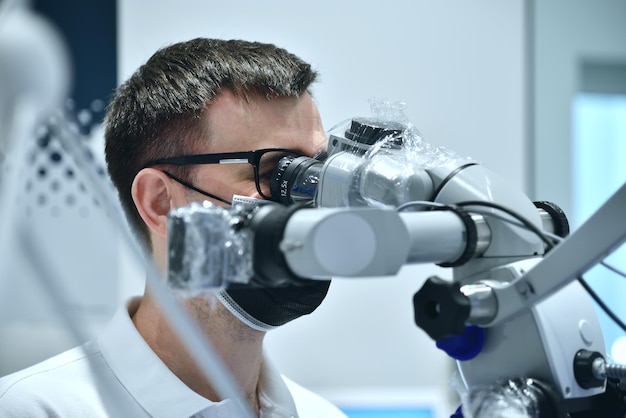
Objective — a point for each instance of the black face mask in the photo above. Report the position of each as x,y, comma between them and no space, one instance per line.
265,308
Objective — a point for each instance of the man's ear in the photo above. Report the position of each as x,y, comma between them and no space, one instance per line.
153,196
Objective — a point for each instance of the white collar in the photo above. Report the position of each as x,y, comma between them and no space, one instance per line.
161,393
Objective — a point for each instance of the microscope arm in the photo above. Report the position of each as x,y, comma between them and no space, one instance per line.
593,241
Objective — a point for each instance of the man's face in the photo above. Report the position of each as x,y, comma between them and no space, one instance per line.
234,126
237,125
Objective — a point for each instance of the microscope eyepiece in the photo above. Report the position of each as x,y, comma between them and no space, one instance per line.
295,180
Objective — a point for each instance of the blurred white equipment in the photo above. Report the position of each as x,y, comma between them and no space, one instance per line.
34,82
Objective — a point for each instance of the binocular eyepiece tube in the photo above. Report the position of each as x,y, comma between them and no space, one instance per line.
296,179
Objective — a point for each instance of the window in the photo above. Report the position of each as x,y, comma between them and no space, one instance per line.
599,169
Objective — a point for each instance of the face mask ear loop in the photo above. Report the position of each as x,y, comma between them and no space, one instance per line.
195,189
240,314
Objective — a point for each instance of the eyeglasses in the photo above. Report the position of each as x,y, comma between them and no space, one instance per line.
263,162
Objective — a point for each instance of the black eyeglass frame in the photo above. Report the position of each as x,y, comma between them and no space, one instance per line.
239,157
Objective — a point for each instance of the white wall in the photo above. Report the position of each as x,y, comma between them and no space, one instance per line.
458,65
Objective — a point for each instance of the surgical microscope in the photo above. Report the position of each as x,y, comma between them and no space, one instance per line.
516,314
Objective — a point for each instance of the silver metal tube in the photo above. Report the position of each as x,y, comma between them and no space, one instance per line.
483,304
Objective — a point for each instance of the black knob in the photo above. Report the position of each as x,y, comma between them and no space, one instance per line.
440,308
370,130
558,217
585,371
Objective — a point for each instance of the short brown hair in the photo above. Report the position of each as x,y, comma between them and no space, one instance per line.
158,111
